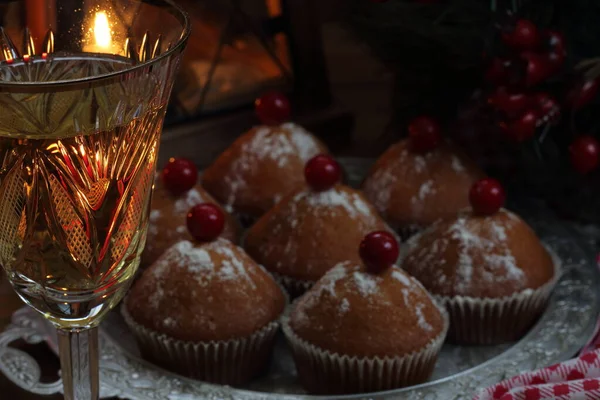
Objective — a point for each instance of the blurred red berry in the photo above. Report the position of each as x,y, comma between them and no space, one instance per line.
272,108
524,36
487,196
549,110
522,128
379,251
424,133
179,175
584,153
582,93
322,172
205,222
537,68
511,103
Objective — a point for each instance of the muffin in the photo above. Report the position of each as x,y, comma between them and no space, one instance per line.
167,222
412,189
489,269
310,231
206,310
359,330
260,168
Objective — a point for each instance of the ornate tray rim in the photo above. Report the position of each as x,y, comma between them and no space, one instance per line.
566,326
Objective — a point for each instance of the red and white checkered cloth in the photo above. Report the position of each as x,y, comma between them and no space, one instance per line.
577,379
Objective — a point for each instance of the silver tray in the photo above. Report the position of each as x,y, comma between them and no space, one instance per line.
566,326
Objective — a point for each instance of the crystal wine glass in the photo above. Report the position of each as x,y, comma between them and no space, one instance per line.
84,86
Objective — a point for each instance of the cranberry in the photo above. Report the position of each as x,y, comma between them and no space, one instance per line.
523,127
555,60
205,222
272,108
510,103
497,71
555,42
584,153
425,134
556,49
379,251
524,35
486,196
179,175
548,107
322,172
537,68
582,93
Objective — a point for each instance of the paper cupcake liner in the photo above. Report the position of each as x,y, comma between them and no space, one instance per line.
246,220
485,321
291,286
294,287
226,362
323,372
405,232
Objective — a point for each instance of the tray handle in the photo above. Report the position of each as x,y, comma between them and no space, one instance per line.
21,368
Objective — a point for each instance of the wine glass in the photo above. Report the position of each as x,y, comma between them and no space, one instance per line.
84,86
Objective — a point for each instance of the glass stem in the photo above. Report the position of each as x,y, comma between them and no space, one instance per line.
79,363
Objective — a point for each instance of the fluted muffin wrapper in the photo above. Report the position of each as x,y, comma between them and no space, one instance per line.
228,362
291,286
245,220
485,321
294,287
405,232
297,287
323,372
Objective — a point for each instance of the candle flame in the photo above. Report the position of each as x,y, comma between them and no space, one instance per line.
102,33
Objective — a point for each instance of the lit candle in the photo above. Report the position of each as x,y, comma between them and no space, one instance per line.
100,35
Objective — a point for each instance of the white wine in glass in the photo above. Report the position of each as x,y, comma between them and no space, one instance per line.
80,124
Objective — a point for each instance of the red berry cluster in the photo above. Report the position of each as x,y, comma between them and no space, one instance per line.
584,151
532,58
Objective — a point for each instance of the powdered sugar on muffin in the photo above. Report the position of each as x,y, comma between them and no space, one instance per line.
188,200
457,165
328,204
412,189
268,145
466,255
219,260
308,232
348,288
304,143
167,220
201,306
331,200
261,167
199,261
216,271
380,184
349,278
